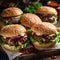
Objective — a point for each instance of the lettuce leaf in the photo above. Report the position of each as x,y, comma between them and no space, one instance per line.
57,39
32,39
41,43
54,19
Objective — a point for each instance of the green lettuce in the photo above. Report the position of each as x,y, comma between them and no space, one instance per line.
57,39
33,7
54,19
40,41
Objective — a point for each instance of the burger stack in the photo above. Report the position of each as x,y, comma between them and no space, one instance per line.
23,29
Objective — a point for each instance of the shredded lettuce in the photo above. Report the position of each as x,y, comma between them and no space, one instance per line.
40,42
32,39
21,46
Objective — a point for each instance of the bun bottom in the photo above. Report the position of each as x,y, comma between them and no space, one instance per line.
37,44
10,48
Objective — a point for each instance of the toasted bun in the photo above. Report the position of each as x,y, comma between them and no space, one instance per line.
47,10
8,47
1,25
12,30
44,28
37,45
30,19
12,11
58,29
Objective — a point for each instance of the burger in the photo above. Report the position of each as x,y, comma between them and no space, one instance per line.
13,37
47,14
30,19
11,15
44,35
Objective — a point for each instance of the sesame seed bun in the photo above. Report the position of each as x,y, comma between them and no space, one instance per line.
11,11
12,30
10,48
30,19
47,10
44,28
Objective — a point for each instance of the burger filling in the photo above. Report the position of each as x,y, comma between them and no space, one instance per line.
15,41
9,20
48,18
44,39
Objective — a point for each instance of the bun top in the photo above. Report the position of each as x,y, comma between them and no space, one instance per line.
30,19
44,28
12,30
47,10
11,11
